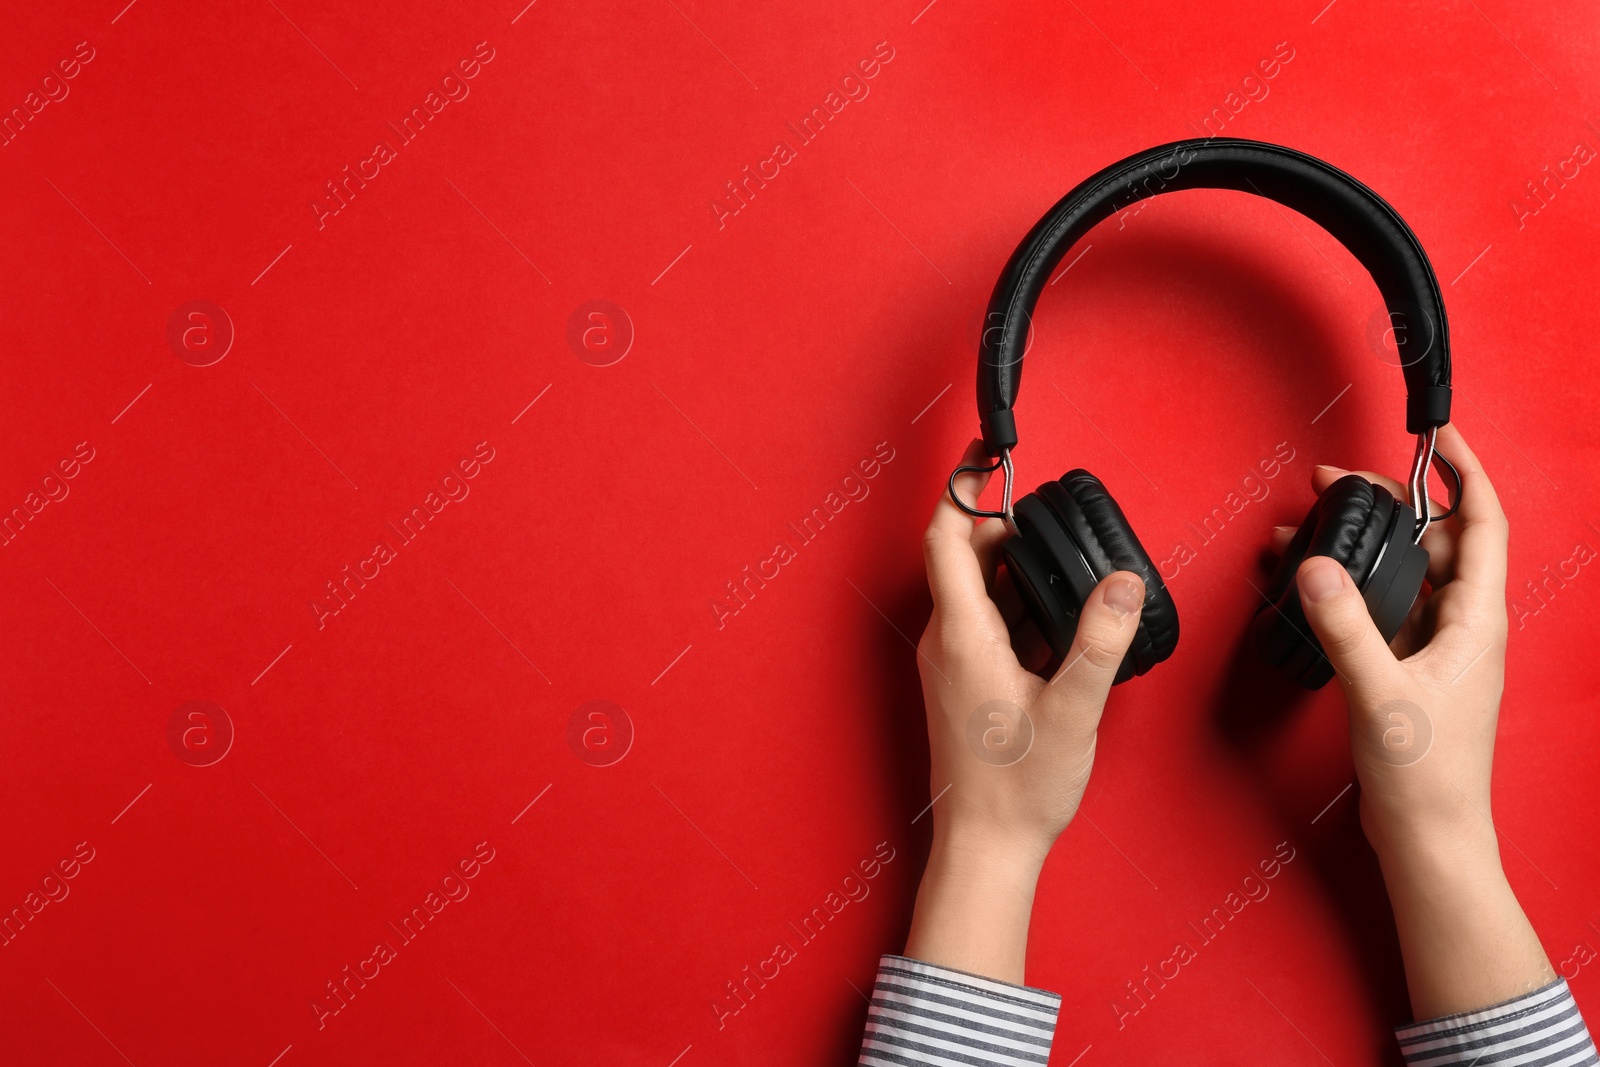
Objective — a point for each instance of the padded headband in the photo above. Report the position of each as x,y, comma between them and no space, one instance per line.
1358,217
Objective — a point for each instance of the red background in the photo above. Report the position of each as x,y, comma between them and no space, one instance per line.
773,754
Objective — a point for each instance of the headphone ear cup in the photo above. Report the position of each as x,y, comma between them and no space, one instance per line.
1070,535
1092,515
1033,577
1361,525
1049,572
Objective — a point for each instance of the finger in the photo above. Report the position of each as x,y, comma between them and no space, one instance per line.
1280,537
1440,538
1415,630
1006,597
1325,474
1032,650
1481,544
969,484
1333,606
987,537
1106,626
955,576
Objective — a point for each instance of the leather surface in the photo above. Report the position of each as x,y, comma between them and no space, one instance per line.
1347,523
1109,534
1360,219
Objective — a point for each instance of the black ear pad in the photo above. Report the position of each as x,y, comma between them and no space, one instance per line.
1368,531
1070,535
1093,517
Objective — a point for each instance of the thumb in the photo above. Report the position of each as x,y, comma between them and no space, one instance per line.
1338,615
1107,623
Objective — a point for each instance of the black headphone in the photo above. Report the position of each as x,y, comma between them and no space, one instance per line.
1069,534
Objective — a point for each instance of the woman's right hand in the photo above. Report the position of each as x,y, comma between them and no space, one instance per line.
1423,713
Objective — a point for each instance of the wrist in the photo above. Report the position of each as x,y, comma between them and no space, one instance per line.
998,858
974,905
1448,873
1464,851
1464,937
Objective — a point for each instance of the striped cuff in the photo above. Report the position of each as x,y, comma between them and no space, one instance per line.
922,1013
1541,1028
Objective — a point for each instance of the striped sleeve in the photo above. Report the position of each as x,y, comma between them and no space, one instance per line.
1540,1029
924,1014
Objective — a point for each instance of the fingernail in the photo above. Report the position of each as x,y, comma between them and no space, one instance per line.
1321,580
1124,596
1330,467
1289,529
